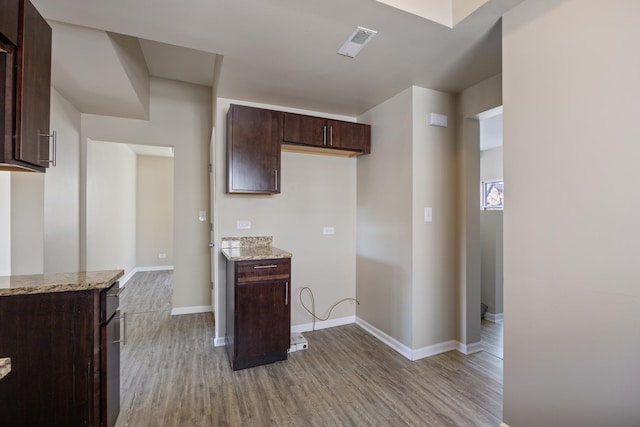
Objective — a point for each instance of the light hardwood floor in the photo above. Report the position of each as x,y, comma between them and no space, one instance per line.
172,375
491,335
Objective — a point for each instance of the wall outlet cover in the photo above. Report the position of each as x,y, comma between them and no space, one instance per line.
244,225
328,230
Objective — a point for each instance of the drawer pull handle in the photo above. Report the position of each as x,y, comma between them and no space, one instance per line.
286,293
53,137
265,266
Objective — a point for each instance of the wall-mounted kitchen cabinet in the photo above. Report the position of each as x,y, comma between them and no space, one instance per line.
9,20
25,67
253,150
301,130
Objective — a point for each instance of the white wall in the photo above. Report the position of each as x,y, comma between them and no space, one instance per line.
317,191
490,164
154,211
571,155
384,220
111,207
406,268
62,191
180,117
5,223
27,223
491,132
433,243
491,258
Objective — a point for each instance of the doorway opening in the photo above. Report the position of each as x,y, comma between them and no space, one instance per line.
130,208
491,231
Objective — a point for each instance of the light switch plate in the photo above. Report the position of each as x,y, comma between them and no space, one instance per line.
428,215
328,230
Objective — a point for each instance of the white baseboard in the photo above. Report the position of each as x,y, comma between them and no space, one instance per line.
469,348
155,268
128,276
191,310
420,353
503,424
341,321
124,279
388,340
219,342
435,349
491,317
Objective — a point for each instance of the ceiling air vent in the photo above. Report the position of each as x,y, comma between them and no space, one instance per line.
356,41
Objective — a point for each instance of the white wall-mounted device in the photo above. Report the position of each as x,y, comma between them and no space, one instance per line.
439,120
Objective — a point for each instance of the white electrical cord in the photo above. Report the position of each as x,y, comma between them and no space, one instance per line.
312,312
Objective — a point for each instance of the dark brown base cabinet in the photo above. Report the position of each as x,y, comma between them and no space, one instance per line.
65,359
258,311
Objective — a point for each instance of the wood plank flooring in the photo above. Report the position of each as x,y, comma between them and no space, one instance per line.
172,375
491,336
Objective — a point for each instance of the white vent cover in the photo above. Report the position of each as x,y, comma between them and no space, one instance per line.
356,41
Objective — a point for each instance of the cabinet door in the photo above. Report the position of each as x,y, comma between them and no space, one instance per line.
263,323
9,20
299,129
33,88
253,149
110,371
50,339
349,136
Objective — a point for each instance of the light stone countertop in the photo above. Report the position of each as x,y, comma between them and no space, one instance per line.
58,282
251,249
5,366
252,253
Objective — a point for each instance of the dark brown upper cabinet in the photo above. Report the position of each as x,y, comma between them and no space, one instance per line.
253,150
9,20
25,67
309,131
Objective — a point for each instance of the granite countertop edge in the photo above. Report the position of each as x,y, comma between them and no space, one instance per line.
254,253
58,282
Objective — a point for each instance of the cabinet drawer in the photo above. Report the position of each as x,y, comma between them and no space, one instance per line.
270,269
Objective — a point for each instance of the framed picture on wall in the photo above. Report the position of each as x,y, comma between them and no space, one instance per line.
492,194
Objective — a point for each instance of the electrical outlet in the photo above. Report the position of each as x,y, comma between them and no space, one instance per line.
244,225
328,230
162,256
